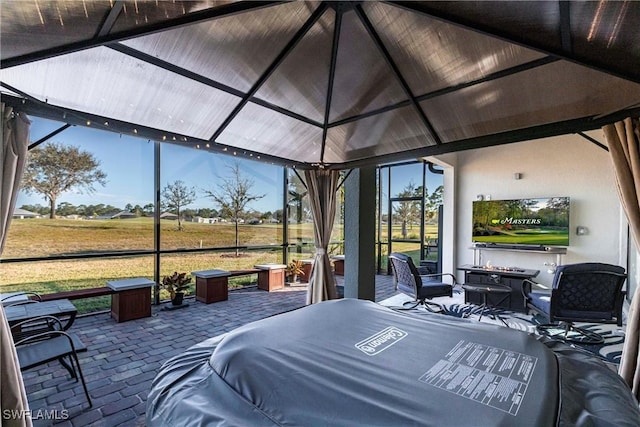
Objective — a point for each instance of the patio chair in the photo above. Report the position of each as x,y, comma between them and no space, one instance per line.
585,292
45,347
421,287
31,298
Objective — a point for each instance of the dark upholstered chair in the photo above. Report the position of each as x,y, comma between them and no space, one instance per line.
408,280
586,292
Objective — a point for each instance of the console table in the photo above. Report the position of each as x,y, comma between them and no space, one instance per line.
508,276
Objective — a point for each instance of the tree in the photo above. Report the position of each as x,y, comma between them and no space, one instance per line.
147,210
177,195
408,211
55,168
233,196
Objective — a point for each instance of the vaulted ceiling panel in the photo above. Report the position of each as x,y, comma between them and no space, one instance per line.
259,130
301,82
107,83
363,80
391,132
556,92
324,83
434,55
234,50
137,13
36,25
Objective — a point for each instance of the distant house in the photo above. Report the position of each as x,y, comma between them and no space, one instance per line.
23,213
202,220
123,215
168,215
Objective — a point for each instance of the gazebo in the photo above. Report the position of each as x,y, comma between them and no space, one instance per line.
325,86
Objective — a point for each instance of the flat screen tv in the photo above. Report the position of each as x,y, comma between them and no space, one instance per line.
539,222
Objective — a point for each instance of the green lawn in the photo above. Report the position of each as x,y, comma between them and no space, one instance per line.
44,237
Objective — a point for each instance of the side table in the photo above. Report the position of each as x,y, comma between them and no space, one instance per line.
131,298
271,276
307,265
338,263
211,285
485,290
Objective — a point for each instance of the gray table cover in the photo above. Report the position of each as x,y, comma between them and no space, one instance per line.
351,362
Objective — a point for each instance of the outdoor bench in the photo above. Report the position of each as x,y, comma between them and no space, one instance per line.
78,294
213,285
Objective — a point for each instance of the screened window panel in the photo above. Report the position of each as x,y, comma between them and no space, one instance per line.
300,219
205,224
31,26
55,276
114,85
300,83
89,221
258,129
434,55
552,93
43,128
390,132
234,50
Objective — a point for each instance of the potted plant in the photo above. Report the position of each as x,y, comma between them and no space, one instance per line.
176,284
294,268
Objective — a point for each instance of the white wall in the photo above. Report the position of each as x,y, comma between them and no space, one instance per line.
560,166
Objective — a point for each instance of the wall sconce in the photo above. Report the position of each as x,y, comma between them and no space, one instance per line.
582,230
517,176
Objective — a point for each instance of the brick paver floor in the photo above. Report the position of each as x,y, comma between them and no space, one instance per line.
123,358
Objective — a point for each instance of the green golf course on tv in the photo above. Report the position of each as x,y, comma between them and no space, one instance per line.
542,221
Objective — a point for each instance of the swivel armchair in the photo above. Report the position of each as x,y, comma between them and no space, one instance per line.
408,280
585,292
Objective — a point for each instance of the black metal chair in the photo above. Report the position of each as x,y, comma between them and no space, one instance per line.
30,297
421,287
54,344
585,292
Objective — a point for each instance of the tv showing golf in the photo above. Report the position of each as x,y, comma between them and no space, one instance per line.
542,221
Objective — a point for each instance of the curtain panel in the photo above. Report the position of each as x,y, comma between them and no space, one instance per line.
623,139
15,142
322,186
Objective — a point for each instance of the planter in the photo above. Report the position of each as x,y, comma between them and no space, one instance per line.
177,299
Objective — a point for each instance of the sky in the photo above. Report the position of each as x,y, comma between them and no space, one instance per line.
128,164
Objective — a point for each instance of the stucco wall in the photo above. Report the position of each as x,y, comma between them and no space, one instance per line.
560,166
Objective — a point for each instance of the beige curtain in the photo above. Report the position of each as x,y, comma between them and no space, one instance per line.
623,139
322,186
15,140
